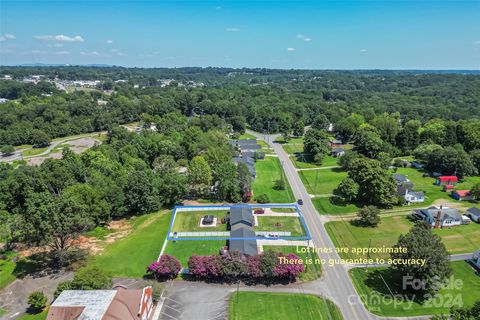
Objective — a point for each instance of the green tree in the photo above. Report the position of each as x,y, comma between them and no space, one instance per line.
421,243
40,139
375,185
368,143
347,190
10,228
199,174
368,216
142,192
227,183
387,126
298,128
320,122
37,301
91,278
262,198
172,188
315,145
7,150
409,136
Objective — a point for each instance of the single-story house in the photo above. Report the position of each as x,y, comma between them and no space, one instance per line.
448,187
241,216
403,184
414,196
474,214
462,195
249,162
245,145
338,152
476,259
439,217
243,241
114,304
335,142
443,180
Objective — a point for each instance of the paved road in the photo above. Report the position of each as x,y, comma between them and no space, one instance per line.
335,283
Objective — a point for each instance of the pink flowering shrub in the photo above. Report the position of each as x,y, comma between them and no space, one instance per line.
289,270
204,266
167,266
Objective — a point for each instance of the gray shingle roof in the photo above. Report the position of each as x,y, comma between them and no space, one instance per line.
474,211
241,214
245,242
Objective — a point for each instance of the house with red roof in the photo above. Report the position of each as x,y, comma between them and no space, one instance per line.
462,195
446,180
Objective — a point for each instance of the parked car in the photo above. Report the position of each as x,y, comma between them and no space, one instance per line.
300,201
271,235
259,211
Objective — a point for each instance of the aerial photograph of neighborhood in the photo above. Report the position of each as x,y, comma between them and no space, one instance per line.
240,160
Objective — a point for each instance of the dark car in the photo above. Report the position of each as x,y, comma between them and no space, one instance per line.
300,201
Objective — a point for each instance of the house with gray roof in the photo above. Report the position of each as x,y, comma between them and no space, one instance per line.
474,214
439,217
243,240
476,259
241,216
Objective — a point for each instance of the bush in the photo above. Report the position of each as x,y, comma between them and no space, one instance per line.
204,266
65,285
37,301
166,267
368,216
262,198
279,185
91,278
7,150
289,270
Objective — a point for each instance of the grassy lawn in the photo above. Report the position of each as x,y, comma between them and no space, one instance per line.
295,140
7,268
130,256
277,306
292,148
292,224
269,170
377,298
312,271
100,232
190,220
246,136
182,250
344,234
38,316
325,206
322,181
283,209
33,151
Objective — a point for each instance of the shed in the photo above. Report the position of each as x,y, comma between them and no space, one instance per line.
443,180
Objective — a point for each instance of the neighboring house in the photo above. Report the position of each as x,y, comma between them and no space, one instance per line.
476,259
335,143
446,180
474,214
245,145
249,162
439,217
414,196
416,165
403,184
462,195
338,152
243,240
114,304
241,216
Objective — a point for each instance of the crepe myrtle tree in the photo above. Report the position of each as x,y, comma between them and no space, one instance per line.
166,267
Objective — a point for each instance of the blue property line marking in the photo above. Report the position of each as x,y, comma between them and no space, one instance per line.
273,205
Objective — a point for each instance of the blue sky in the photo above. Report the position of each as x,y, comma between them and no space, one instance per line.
275,34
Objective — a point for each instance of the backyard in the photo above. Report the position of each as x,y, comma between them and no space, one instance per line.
459,239
190,221
377,297
183,249
245,305
269,171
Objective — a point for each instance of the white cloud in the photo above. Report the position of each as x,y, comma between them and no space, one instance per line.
477,42
290,49
60,38
109,41
218,8
62,53
363,50
116,52
232,29
304,37
7,36
90,54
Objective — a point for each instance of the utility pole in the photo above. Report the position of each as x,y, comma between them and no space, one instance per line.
368,253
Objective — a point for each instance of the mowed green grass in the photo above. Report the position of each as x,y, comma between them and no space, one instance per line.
459,239
377,297
183,249
291,224
130,256
245,305
270,170
6,271
326,206
312,271
190,221
38,316
246,136
322,181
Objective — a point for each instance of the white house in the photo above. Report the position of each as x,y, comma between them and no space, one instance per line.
439,217
414,196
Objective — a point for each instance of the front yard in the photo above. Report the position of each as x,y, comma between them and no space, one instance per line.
459,239
322,181
377,297
245,305
270,170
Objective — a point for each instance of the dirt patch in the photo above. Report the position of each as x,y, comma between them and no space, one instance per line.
196,203
121,229
442,202
453,236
